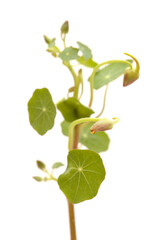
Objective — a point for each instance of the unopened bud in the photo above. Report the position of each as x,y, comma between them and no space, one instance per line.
103,125
41,165
130,76
65,28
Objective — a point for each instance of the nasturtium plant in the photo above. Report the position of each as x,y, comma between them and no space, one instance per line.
85,170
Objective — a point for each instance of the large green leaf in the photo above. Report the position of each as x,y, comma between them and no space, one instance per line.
87,54
72,109
89,63
84,174
69,53
109,73
42,111
98,142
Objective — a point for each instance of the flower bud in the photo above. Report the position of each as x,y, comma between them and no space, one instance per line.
130,76
103,125
41,165
65,28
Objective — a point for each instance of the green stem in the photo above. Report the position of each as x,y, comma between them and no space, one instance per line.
80,81
51,176
68,65
72,220
104,101
137,63
94,72
63,38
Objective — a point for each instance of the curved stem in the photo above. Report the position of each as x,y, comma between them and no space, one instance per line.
71,135
68,65
137,63
94,72
104,101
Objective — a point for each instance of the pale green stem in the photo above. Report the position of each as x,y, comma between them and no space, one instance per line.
104,101
94,72
51,176
68,65
63,38
78,81
80,76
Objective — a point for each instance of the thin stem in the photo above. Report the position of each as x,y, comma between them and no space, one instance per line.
72,220
63,38
137,63
51,176
104,101
68,65
94,72
81,82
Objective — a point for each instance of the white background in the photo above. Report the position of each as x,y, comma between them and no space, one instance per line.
132,201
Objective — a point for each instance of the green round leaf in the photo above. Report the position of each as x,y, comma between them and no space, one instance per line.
98,142
109,73
42,111
72,109
69,53
83,176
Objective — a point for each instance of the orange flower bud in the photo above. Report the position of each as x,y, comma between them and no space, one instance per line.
103,125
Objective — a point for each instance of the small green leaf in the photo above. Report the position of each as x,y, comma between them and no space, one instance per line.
38,179
42,111
41,165
129,60
109,73
98,142
69,53
54,50
83,176
57,165
49,41
72,109
87,54
89,63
